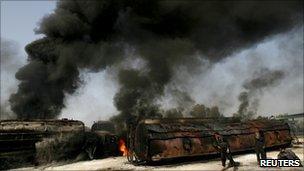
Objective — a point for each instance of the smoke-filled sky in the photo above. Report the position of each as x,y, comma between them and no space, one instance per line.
208,58
18,20
220,86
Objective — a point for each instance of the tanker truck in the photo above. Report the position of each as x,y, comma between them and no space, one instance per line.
18,138
152,140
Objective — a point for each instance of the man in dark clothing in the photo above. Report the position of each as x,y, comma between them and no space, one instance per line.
223,147
260,146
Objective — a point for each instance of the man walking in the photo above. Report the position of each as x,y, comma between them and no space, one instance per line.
222,146
260,145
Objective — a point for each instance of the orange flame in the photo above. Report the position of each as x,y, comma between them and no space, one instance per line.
122,147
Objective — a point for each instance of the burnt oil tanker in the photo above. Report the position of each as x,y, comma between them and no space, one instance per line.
18,137
161,139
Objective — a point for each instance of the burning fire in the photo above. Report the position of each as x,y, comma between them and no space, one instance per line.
123,147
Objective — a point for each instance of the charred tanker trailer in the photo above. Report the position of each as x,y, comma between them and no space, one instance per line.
159,139
19,137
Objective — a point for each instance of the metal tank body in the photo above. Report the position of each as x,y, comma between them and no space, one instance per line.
158,139
21,135
103,126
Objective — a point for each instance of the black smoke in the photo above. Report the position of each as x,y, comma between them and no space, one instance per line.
254,88
96,35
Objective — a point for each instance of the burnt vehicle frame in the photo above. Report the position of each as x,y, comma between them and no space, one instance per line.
18,135
18,138
107,142
152,140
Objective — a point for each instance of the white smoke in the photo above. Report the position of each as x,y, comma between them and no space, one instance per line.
222,84
11,61
93,101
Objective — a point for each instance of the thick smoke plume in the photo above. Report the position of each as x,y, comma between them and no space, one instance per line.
10,62
249,99
99,35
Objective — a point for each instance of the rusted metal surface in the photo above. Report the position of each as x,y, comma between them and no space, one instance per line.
21,135
42,125
157,139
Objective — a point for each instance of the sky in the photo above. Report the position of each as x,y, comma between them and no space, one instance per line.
20,18
18,21
223,81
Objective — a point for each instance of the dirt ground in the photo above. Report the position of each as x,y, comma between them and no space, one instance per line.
247,162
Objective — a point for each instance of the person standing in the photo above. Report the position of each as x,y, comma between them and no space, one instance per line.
260,145
223,147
